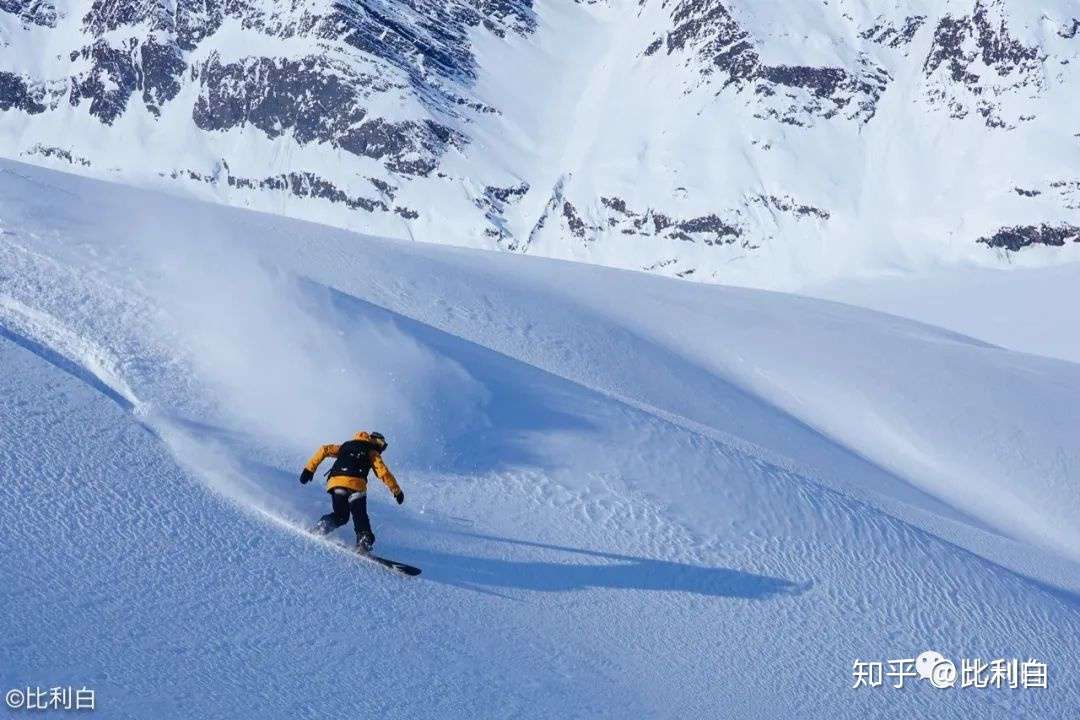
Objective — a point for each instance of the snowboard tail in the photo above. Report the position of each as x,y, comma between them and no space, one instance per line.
399,567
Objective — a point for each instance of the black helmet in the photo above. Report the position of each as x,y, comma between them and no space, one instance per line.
379,441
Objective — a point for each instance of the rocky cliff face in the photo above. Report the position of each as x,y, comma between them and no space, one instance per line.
722,140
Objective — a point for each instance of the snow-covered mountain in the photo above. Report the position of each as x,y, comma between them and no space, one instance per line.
754,142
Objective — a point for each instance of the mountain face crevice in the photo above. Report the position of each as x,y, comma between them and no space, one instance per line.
719,140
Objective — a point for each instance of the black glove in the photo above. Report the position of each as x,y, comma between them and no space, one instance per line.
399,496
305,476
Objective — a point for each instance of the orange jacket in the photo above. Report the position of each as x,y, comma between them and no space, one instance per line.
358,484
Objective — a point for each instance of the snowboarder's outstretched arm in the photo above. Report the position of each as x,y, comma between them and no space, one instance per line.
313,464
384,474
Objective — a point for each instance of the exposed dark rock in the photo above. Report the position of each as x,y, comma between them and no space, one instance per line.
109,82
196,20
963,46
992,44
384,187
507,194
498,16
395,143
617,204
107,15
573,220
413,46
190,175
308,185
823,82
153,62
299,184
317,100
1021,236
57,153
17,93
1069,190
887,34
708,29
302,96
789,205
668,262
711,229
715,230
660,222
494,199
494,202
158,74
31,12
576,225
366,58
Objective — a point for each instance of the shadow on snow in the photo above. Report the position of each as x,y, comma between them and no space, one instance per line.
603,570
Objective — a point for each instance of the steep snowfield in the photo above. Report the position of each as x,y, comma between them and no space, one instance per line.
630,496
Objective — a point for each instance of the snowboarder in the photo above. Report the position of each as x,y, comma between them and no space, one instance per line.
347,483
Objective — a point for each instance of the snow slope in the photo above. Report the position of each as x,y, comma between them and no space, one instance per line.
631,496
1026,309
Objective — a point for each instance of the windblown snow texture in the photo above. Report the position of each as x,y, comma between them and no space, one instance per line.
758,143
618,515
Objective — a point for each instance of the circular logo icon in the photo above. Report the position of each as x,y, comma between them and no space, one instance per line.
15,698
935,667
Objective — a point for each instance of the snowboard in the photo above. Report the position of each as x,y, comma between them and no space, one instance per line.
394,565
398,567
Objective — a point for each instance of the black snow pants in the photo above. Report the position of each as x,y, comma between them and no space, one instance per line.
347,502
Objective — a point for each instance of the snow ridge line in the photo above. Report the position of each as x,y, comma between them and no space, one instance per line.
47,337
